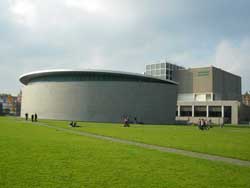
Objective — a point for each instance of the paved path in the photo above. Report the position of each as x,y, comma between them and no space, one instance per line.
154,147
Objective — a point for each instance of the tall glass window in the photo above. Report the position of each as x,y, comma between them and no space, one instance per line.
153,66
158,66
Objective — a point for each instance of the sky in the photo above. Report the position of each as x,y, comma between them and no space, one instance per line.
122,35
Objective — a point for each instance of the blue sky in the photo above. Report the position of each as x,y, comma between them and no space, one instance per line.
122,35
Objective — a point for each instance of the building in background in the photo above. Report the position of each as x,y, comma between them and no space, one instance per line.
105,96
98,96
246,99
9,104
18,104
207,93
5,103
166,71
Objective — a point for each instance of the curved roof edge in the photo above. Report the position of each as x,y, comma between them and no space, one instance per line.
26,78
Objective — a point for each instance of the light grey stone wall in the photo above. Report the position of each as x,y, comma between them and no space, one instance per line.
234,104
101,101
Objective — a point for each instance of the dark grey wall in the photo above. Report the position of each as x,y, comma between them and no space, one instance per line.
226,86
185,80
1,108
244,113
101,101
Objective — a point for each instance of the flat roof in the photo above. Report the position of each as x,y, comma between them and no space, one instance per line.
211,67
26,78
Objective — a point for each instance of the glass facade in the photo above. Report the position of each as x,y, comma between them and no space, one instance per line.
93,77
164,71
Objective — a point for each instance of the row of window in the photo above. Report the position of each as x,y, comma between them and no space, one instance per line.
163,66
92,77
200,114
201,111
159,72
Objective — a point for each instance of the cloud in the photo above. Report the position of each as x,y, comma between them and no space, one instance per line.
231,56
24,12
235,57
118,34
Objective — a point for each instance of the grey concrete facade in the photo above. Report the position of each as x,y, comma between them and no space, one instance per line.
221,85
226,86
150,101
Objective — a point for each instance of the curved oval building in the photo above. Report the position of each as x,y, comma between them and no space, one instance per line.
98,96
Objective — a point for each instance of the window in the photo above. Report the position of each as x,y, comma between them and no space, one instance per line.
153,72
208,97
200,97
200,111
215,111
158,72
148,72
153,66
167,72
163,65
171,72
186,111
148,67
158,66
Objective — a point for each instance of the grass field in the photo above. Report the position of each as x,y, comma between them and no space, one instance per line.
36,156
229,142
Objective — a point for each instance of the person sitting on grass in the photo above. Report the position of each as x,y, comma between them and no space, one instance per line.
73,124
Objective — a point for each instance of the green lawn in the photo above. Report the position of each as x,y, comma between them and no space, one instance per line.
33,156
230,141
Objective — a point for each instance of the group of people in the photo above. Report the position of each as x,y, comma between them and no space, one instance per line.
204,124
34,117
73,124
126,121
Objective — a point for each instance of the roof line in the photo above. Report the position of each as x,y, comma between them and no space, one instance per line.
25,78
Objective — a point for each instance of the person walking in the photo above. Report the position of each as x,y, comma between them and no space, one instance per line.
135,122
202,124
199,124
32,117
35,117
210,123
222,124
26,116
